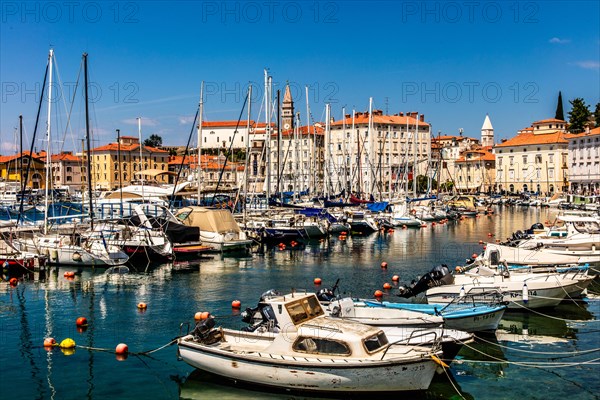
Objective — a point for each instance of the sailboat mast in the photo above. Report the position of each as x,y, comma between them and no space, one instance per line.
268,132
415,162
199,164
279,168
327,172
120,170
247,152
87,138
21,155
48,131
139,119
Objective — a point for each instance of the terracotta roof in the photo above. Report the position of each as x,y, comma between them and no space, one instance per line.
129,137
215,124
209,162
528,138
4,159
304,130
65,157
548,120
127,148
477,155
380,119
450,137
592,132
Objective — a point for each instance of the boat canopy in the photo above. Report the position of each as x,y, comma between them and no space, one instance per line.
208,219
153,173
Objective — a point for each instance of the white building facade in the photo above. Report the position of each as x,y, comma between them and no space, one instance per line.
584,162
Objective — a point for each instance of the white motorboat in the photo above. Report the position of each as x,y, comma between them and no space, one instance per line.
311,352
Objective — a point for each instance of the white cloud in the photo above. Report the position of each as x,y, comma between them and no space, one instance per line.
8,147
587,64
186,119
556,40
145,121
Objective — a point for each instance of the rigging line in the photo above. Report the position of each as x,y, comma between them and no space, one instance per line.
229,150
187,148
37,120
62,93
550,316
479,338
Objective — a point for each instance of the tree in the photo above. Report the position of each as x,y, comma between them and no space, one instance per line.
153,141
597,114
559,108
579,115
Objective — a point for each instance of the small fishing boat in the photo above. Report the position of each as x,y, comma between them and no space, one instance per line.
310,352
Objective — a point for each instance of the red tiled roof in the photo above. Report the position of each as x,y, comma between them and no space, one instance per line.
529,138
450,137
380,119
592,132
477,155
127,147
233,124
304,130
548,120
65,157
4,159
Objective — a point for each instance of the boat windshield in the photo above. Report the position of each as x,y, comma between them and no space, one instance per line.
305,309
587,226
315,345
376,342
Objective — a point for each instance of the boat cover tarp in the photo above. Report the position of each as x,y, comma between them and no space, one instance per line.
378,207
208,219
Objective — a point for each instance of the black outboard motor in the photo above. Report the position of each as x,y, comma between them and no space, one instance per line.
202,330
439,275
328,294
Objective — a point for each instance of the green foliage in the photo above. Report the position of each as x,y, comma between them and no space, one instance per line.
597,114
579,115
153,141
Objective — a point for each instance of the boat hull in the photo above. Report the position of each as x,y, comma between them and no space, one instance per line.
340,377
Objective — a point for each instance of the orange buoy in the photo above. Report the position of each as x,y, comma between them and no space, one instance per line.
81,321
342,237
49,342
378,293
198,316
458,268
391,230
13,281
384,265
404,227
236,304
497,240
387,286
395,278
69,274
490,234
142,306
317,281
481,242
122,348
282,247
474,255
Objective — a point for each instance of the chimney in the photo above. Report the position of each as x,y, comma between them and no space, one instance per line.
401,114
422,118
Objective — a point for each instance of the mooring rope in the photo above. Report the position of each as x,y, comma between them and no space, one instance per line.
550,316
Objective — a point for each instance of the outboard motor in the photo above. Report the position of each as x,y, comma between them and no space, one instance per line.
202,330
439,275
328,294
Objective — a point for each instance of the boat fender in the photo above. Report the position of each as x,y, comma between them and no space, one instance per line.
462,292
54,255
76,256
525,293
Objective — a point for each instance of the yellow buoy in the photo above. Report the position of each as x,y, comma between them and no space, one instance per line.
67,343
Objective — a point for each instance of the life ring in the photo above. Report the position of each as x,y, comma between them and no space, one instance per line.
413,211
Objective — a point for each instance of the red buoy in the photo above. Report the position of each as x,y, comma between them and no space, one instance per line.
236,304
384,264
317,281
387,286
49,342
81,321
122,348
474,256
395,278
490,234
142,306
13,281
481,242
378,293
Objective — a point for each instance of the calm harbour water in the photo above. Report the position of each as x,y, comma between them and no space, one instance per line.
48,306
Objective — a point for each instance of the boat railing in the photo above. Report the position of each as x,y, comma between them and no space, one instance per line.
416,334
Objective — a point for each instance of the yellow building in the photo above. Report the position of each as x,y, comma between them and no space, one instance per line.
535,160
109,172
13,169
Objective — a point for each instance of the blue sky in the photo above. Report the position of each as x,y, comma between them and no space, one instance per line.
452,61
